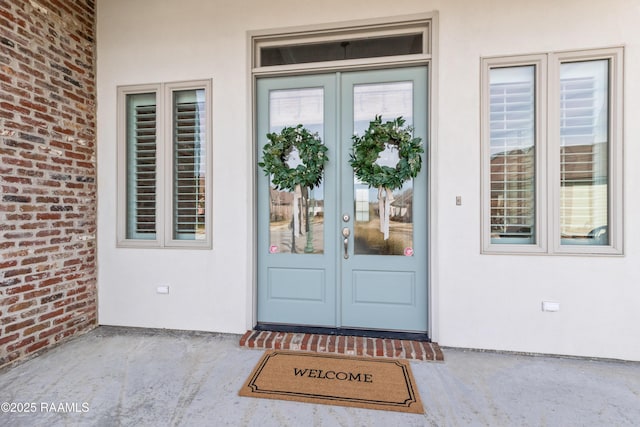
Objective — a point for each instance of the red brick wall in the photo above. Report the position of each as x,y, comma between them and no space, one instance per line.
47,174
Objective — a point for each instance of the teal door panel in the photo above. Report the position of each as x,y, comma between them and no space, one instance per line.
384,281
296,250
303,275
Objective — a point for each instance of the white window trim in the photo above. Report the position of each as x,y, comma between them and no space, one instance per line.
121,220
547,140
400,25
164,166
540,63
615,225
170,88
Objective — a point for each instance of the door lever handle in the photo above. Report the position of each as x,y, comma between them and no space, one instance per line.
345,233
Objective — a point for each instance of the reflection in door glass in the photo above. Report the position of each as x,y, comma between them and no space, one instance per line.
296,218
390,100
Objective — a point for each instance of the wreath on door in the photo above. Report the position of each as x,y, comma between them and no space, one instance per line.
373,157
391,135
300,147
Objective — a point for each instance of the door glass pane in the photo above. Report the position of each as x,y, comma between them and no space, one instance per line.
390,100
296,218
584,148
512,144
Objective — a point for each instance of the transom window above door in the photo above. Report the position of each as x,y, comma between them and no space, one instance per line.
389,42
342,50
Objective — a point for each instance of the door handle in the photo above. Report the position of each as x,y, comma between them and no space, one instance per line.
345,233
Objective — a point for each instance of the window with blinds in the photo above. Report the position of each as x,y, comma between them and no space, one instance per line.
141,166
512,159
552,139
584,152
189,165
164,177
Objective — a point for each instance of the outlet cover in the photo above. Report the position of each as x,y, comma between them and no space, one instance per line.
550,306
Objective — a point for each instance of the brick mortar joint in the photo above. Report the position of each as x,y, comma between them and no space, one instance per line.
335,344
37,120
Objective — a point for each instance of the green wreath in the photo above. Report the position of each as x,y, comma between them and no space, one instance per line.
312,154
366,149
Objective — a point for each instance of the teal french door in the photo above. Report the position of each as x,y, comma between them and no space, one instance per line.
323,259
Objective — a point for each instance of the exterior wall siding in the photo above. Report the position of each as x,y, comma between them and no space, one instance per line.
477,300
47,174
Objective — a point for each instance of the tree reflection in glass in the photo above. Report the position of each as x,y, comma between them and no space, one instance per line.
296,218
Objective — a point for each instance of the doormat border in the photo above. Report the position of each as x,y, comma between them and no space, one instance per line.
412,403
346,345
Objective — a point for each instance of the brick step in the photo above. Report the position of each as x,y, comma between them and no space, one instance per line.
348,345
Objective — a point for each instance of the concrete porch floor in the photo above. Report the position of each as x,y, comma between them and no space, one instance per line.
131,377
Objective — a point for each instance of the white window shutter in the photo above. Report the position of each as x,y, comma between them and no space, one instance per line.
189,165
141,167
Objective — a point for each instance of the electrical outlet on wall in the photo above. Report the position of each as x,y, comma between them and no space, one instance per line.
162,289
550,306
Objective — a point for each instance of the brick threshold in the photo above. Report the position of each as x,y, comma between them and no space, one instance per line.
347,345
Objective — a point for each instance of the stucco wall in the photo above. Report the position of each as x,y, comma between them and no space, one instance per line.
480,301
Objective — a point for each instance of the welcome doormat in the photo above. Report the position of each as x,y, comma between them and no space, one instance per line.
385,384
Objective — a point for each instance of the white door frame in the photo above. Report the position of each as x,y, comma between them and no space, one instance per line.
347,30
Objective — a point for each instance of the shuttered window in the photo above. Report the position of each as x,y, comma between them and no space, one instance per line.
584,153
552,153
512,145
189,119
141,166
164,163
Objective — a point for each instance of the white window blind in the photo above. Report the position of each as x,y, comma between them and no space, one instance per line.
164,176
141,166
552,140
512,163
189,165
584,152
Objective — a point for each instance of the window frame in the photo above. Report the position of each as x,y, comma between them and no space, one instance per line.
615,153
307,35
540,64
548,143
164,166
